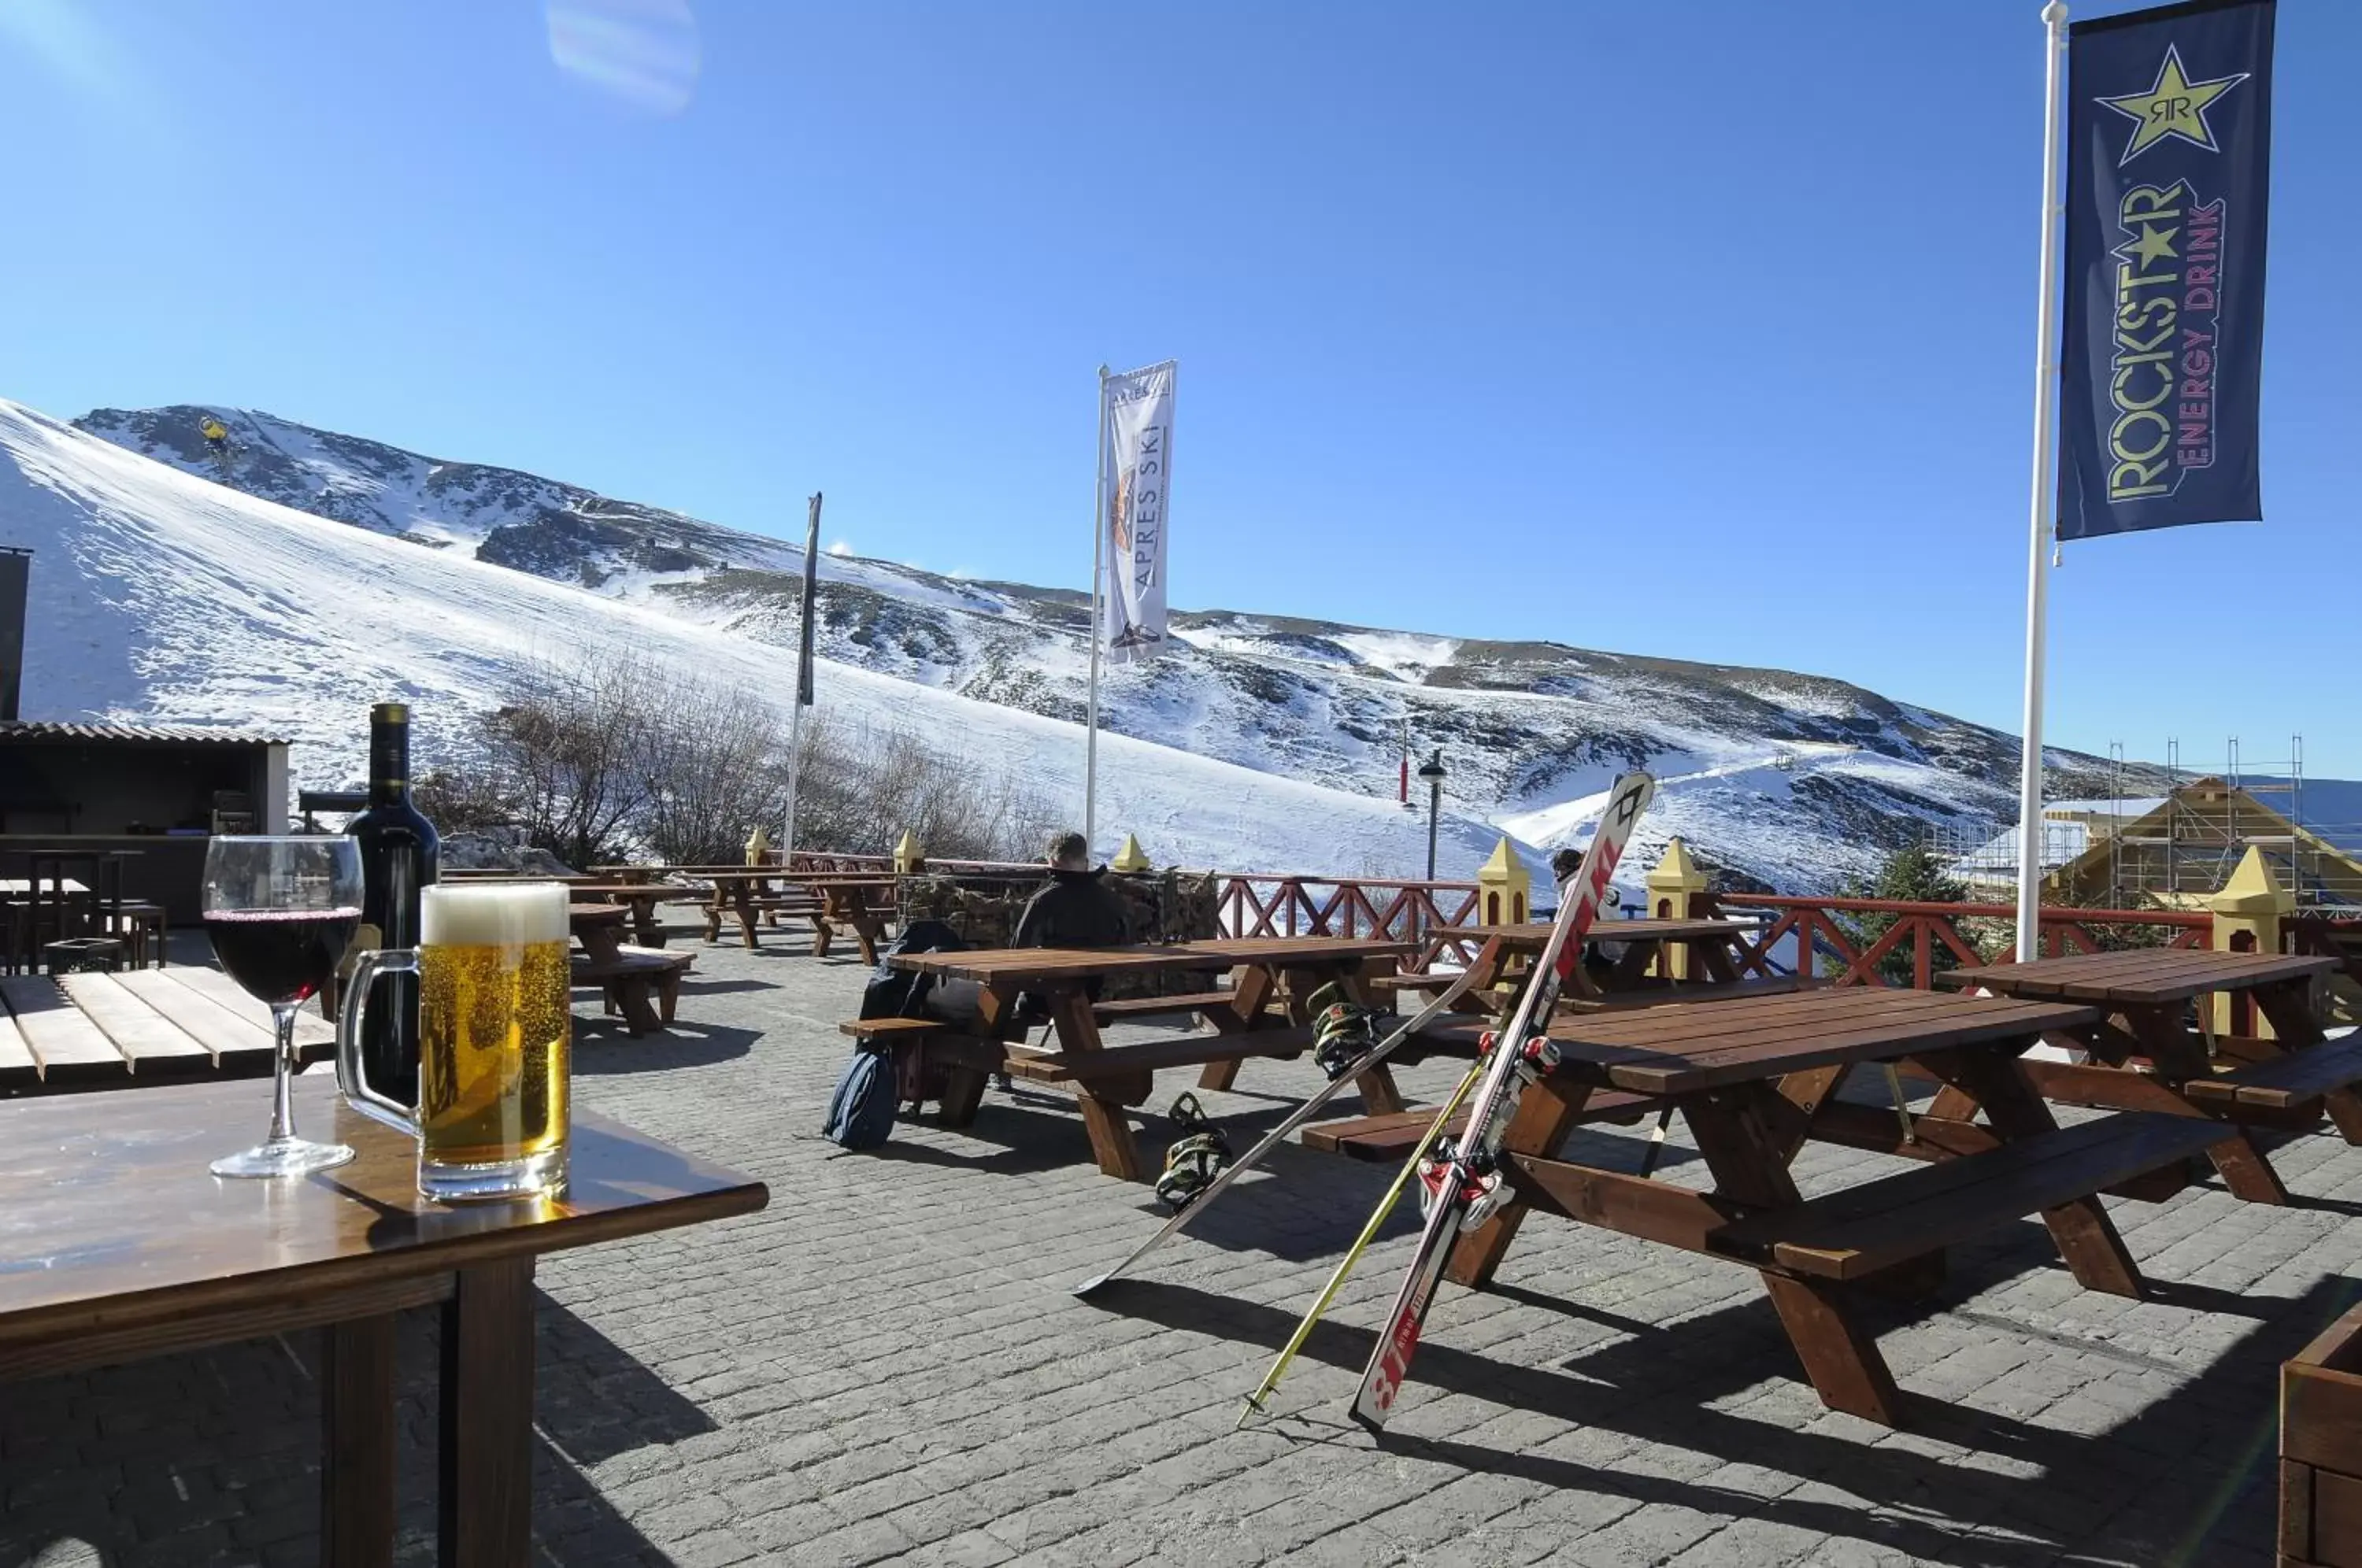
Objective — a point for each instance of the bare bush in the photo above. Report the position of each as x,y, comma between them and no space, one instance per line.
861,787
712,766
611,757
567,747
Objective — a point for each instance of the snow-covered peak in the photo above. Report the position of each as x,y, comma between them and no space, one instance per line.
1794,779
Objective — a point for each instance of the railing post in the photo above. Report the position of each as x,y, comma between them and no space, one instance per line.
1503,887
2247,916
1676,887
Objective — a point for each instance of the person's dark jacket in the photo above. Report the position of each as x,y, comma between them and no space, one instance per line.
1076,910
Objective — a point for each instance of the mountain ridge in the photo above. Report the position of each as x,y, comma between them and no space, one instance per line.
1782,777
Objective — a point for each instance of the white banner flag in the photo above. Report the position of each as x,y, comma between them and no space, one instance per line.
1139,421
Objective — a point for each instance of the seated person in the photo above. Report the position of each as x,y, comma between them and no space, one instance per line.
1076,910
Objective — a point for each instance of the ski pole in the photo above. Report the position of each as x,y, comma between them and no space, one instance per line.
1361,1243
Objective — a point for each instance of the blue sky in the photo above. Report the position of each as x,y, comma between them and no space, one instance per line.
1702,330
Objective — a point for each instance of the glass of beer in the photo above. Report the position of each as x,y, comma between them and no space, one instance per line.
494,1029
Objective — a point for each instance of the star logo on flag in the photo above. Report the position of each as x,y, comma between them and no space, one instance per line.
2175,106
2154,245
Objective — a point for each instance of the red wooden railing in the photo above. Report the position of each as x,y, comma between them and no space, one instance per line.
1929,929
1254,904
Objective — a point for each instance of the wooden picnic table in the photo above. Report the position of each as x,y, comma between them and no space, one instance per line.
1754,1077
640,898
642,984
2145,1056
1107,1078
22,887
121,1244
836,900
139,1028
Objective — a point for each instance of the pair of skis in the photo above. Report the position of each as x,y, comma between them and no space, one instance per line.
1463,1182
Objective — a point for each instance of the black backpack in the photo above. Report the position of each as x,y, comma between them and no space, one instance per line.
861,1111
891,993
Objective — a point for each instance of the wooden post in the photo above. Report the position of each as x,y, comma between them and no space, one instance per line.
1503,887
2247,915
1675,887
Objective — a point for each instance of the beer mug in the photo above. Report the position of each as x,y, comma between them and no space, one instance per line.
495,1025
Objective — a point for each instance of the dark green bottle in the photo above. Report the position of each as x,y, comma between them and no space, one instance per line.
398,849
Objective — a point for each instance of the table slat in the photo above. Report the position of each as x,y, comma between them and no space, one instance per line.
60,1038
212,1026
138,1030
1680,1025
1757,1060
17,1062
311,1029
2146,978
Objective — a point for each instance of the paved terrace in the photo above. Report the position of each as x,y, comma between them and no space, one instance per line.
886,1366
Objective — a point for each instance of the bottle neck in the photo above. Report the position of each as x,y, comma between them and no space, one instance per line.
389,765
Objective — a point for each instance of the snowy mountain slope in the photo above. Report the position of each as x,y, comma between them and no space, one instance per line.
163,595
1793,779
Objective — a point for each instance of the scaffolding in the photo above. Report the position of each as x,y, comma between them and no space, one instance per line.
2181,847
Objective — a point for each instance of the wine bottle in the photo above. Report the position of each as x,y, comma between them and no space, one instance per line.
398,849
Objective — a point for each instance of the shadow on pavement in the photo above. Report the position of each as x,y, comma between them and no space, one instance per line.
681,1044
2187,1479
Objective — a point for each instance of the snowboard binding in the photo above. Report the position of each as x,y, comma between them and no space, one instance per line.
1342,1031
1195,1158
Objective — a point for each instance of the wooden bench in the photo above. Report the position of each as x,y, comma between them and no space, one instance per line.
1893,1219
2320,1450
1154,1055
2285,1090
1153,1007
954,1063
642,984
1388,1140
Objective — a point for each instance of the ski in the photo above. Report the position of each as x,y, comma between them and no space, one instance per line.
1463,1181
1375,1056
1345,1265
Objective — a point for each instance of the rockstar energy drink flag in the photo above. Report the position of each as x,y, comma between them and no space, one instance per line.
2169,136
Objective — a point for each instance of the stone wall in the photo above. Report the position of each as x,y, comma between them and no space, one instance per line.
1165,906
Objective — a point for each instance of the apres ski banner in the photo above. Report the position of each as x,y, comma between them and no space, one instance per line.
2170,139
1138,423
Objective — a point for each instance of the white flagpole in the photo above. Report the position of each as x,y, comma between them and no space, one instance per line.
1098,550
2037,569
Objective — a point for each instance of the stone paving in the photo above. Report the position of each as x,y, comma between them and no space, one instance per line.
886,1365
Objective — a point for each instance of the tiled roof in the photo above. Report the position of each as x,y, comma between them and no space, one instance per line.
181,734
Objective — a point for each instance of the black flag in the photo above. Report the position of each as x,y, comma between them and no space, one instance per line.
2169,137
811,591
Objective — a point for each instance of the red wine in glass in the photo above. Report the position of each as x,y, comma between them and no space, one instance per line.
280,911
281,956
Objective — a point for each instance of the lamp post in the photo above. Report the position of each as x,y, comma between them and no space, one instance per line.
1432,771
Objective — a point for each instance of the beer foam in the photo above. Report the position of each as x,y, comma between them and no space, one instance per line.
499,914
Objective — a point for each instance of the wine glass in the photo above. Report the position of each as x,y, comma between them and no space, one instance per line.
281,912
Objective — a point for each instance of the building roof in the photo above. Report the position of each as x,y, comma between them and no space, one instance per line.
2129,806
177,734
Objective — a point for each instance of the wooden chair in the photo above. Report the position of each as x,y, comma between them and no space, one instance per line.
135,926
